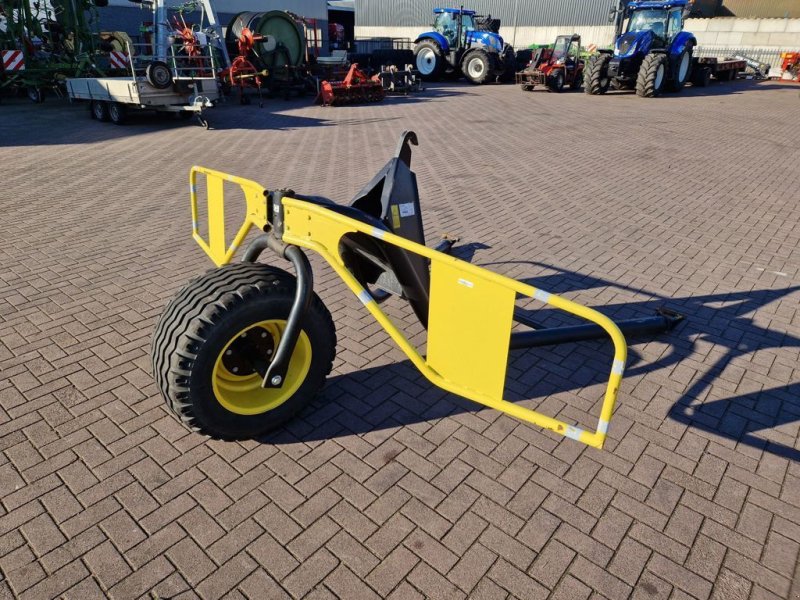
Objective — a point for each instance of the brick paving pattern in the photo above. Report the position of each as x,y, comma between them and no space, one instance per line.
387,486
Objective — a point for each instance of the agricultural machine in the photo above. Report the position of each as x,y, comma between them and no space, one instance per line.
555,67
652,54
356,88
42,43
464,43
276,43
241,349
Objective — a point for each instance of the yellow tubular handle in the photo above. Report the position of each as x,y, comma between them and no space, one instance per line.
317,228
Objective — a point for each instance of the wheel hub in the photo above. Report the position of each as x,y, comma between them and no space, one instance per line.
251,347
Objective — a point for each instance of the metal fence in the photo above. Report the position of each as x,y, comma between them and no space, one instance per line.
369,45
769,56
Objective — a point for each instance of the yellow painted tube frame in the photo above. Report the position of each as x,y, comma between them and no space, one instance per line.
317,228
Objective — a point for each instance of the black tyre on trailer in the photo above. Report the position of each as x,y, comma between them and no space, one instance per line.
215,339
99,110
595,75
117,113
652,76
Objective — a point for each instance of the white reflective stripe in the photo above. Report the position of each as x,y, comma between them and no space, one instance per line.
365,297
618,367
574,432
194,224
193,188
602,426
378,233
542,295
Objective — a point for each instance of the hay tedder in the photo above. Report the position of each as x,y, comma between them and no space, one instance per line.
241,349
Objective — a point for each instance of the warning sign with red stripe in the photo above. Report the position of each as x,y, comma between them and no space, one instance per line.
13,60
118,60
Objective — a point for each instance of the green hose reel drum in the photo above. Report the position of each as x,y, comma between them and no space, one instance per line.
283,43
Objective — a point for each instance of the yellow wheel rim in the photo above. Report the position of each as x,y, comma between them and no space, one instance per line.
239,390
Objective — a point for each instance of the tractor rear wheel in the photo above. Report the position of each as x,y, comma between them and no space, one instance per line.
216,336
682,70
477,67
652,76
595,75
555,82
429,60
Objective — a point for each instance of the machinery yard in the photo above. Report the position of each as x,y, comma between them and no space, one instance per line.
387,485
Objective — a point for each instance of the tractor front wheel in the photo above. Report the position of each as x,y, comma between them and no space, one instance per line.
595,75
556,81
652,76
477,67
429,60
214,340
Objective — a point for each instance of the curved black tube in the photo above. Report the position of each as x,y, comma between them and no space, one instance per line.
276,372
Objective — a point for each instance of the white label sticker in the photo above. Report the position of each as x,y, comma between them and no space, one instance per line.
407,209
466,283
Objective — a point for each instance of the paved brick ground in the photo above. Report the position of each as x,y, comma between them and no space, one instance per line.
390,487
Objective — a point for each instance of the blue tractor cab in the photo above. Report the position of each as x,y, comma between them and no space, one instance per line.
652,53
462,42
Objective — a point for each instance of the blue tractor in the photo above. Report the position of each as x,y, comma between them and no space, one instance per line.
464,43
653,54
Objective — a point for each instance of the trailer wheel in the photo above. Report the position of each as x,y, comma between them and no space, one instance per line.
595,75
158,75
652,75
100,110
701,77
429,60
35,94
682,70
206,341
117,113
477,67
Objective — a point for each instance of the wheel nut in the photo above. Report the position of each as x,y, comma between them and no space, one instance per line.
235,369
263,334
228,352
276,380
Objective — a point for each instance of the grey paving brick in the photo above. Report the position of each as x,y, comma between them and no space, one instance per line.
679,201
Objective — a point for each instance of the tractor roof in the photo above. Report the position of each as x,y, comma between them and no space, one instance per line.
637,4
453,10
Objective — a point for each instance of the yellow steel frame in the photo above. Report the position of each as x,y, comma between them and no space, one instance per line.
471,308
